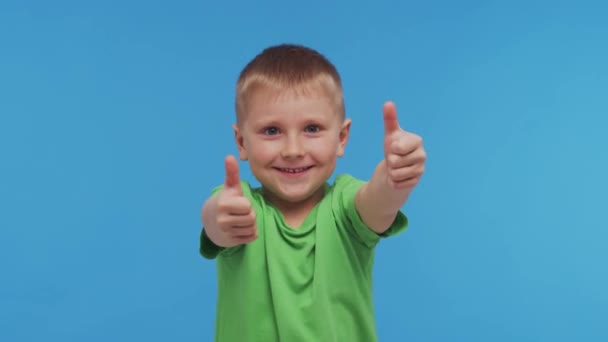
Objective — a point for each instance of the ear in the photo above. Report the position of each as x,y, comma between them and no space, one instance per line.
344,133
240,142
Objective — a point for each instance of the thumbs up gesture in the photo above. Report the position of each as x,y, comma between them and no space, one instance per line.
404,154
229,218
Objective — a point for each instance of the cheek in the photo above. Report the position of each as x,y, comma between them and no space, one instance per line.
324,149
262,152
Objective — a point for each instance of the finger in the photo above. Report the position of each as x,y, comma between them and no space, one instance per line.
391,124
233,180
406,173
394,161
234,205
409,145
409,183
242,221
245,239
404,146
244,232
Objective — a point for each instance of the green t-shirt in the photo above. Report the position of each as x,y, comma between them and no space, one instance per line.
313,283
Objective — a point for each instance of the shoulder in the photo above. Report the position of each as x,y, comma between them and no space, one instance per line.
342,191
346,183
346,179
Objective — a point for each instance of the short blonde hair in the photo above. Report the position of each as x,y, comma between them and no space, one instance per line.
289,67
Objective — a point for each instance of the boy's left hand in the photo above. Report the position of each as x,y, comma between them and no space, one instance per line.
404,154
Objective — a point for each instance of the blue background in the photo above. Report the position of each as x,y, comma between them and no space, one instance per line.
115,119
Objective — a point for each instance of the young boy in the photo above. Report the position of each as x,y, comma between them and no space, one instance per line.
295,256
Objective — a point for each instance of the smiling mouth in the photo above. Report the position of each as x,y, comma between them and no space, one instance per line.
293,170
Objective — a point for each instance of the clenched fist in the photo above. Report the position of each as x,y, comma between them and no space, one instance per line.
228,217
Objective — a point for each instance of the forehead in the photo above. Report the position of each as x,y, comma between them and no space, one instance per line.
290,104
256,88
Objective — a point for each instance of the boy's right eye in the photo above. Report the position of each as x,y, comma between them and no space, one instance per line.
271,131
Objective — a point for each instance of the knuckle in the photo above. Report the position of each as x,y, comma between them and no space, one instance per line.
423,155
416,139
222,219
223,205
248,204
391,174
223,223
392,160
242,203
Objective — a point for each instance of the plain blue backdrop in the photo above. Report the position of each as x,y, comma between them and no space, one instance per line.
115,118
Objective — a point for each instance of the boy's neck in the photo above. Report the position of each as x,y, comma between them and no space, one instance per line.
294,213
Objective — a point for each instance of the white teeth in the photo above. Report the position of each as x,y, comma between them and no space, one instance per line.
300,169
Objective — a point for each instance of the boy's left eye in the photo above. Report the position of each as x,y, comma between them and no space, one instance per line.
312,129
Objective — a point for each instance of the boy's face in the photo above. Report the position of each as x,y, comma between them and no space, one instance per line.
292,143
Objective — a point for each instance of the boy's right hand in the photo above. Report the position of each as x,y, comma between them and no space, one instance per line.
234,220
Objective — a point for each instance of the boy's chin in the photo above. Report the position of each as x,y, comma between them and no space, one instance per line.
293,197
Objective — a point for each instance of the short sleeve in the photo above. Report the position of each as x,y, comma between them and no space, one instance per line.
207,248
345,189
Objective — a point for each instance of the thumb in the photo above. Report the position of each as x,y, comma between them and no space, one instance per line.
233,180
390,119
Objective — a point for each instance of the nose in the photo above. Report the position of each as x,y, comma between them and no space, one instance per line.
292,148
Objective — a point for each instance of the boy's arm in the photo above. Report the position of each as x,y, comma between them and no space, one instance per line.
380,199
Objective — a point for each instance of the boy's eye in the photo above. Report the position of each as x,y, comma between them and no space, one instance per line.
271,131
312,129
